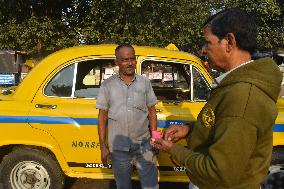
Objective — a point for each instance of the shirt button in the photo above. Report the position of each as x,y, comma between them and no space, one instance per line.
128,110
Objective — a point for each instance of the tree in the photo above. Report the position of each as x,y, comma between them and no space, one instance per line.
32,26
145,22
269,15
38,26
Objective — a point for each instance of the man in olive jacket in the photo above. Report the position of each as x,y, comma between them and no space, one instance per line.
230,144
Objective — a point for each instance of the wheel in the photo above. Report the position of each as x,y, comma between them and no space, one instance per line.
275,177
28,168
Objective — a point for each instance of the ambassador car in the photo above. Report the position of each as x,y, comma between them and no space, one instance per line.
49,124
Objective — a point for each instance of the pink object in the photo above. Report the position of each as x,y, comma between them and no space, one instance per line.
156,134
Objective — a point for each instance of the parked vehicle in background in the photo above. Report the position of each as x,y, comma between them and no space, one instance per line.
277,56
10,67
49,124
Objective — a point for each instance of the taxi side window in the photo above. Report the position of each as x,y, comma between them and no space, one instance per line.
91,74
61,84
201,89
169,80
82,79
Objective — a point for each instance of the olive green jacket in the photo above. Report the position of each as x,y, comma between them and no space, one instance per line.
230,144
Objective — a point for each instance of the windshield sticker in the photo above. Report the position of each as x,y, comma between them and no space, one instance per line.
168,76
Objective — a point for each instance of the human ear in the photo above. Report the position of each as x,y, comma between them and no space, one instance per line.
231,40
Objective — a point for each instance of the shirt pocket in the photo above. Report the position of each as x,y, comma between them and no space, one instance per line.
140,101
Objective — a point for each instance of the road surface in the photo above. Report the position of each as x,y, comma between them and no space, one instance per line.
110,184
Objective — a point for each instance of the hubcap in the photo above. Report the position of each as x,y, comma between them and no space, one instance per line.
275,178
29,175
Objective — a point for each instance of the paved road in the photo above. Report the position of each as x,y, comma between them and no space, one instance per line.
109,184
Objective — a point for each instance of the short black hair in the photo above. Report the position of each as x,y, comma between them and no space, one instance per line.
121,46
238,22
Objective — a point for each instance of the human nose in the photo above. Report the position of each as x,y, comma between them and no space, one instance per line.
204,50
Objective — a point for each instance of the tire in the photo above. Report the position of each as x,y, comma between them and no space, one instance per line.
28,168
275,177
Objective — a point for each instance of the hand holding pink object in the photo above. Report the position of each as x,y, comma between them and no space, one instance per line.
156,134
176,132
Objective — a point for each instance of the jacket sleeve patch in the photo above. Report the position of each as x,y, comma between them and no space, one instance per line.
208,116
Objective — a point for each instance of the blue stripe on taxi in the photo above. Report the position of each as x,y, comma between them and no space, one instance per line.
89,121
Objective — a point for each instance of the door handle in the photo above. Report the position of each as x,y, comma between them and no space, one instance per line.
46,106
158,110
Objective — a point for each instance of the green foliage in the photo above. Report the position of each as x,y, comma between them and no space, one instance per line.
269,15
37,26
155,23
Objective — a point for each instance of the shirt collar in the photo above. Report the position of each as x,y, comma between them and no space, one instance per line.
217,81
134,78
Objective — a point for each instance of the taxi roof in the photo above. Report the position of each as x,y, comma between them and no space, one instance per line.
108,50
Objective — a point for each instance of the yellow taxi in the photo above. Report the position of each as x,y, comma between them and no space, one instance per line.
49,124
